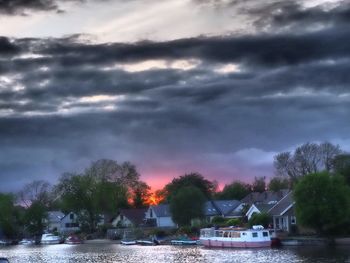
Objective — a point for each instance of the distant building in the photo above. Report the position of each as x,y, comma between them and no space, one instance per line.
224,208
130,217
159,216
53,221
69,223
267,197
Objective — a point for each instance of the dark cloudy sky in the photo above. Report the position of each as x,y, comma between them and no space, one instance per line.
174,86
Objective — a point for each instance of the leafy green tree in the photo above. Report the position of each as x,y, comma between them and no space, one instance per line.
263,219
140,195
34,218
322,202
278,183
341,165
259,184
8,218
187,204
206,187
236,190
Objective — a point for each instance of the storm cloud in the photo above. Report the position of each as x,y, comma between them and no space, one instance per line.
221,105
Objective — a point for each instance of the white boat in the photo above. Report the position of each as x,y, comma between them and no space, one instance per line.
128,242
235,237
26,241
49,239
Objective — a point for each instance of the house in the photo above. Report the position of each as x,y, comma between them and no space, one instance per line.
159,215
130,217
258,208
53,221
69,223
224,208
283,214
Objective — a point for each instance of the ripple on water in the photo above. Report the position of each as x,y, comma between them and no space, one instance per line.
91,253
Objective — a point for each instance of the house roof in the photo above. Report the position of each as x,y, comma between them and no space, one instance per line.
226,206
221,207
283,205
162,210
135,215
264,208
265,197
54,216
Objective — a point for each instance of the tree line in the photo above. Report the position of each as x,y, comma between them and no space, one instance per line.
106,186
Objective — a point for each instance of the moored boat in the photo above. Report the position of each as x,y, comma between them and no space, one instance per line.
73,240
235,237
26,241
50,239
128,242
182,241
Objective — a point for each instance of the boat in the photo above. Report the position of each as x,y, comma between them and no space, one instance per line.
232,237
4,260
148,242
73,240
183,241
50,239
128,242
26,241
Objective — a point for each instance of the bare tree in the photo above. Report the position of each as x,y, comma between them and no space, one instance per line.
307,158
36,191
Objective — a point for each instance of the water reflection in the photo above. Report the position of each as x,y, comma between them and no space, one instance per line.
116,253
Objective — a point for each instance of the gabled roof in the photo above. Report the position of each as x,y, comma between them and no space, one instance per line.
226,206
283,205
265,197
264,208
210,209
162,210
135,215
54,216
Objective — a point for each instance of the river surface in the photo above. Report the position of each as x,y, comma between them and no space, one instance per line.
168,254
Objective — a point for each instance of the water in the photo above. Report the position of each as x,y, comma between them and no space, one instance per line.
89,253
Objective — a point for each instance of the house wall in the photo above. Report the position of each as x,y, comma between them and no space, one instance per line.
66,222
251,211
123,222
165,222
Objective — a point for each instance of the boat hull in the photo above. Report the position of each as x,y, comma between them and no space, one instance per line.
234,244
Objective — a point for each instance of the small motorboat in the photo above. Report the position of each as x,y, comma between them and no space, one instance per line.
26,241
183,241
73,240
4,260
128,242
50,239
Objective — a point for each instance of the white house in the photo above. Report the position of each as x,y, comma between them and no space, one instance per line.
69,223
53,221
130,217
159,215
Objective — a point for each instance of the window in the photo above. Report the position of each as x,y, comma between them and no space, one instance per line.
255,234
293,220
265,234
236,234
71,216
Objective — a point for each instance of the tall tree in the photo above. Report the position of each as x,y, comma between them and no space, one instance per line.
322,202
235,190
193,179
8,218
259,184
34,218
187,204
278,183
307,158
36,191
341,165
